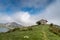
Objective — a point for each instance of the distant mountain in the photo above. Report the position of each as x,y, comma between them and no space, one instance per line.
13,25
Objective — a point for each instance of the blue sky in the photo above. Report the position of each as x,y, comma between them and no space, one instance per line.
27,12
31,6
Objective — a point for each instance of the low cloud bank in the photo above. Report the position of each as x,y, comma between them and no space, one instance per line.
23,18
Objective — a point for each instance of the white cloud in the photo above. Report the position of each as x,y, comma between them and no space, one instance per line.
5,18
23,18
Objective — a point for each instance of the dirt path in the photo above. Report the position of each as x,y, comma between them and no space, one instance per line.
44,34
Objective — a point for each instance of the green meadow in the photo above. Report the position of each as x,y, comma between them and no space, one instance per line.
39,32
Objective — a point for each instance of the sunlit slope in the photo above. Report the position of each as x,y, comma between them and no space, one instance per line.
40,32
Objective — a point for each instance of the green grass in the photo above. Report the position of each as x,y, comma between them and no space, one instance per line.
40,32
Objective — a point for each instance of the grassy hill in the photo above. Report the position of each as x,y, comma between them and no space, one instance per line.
40,32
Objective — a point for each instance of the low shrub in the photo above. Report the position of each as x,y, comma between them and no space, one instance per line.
54,29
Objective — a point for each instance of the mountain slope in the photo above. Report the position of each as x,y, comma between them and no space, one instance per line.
13,25
40,32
